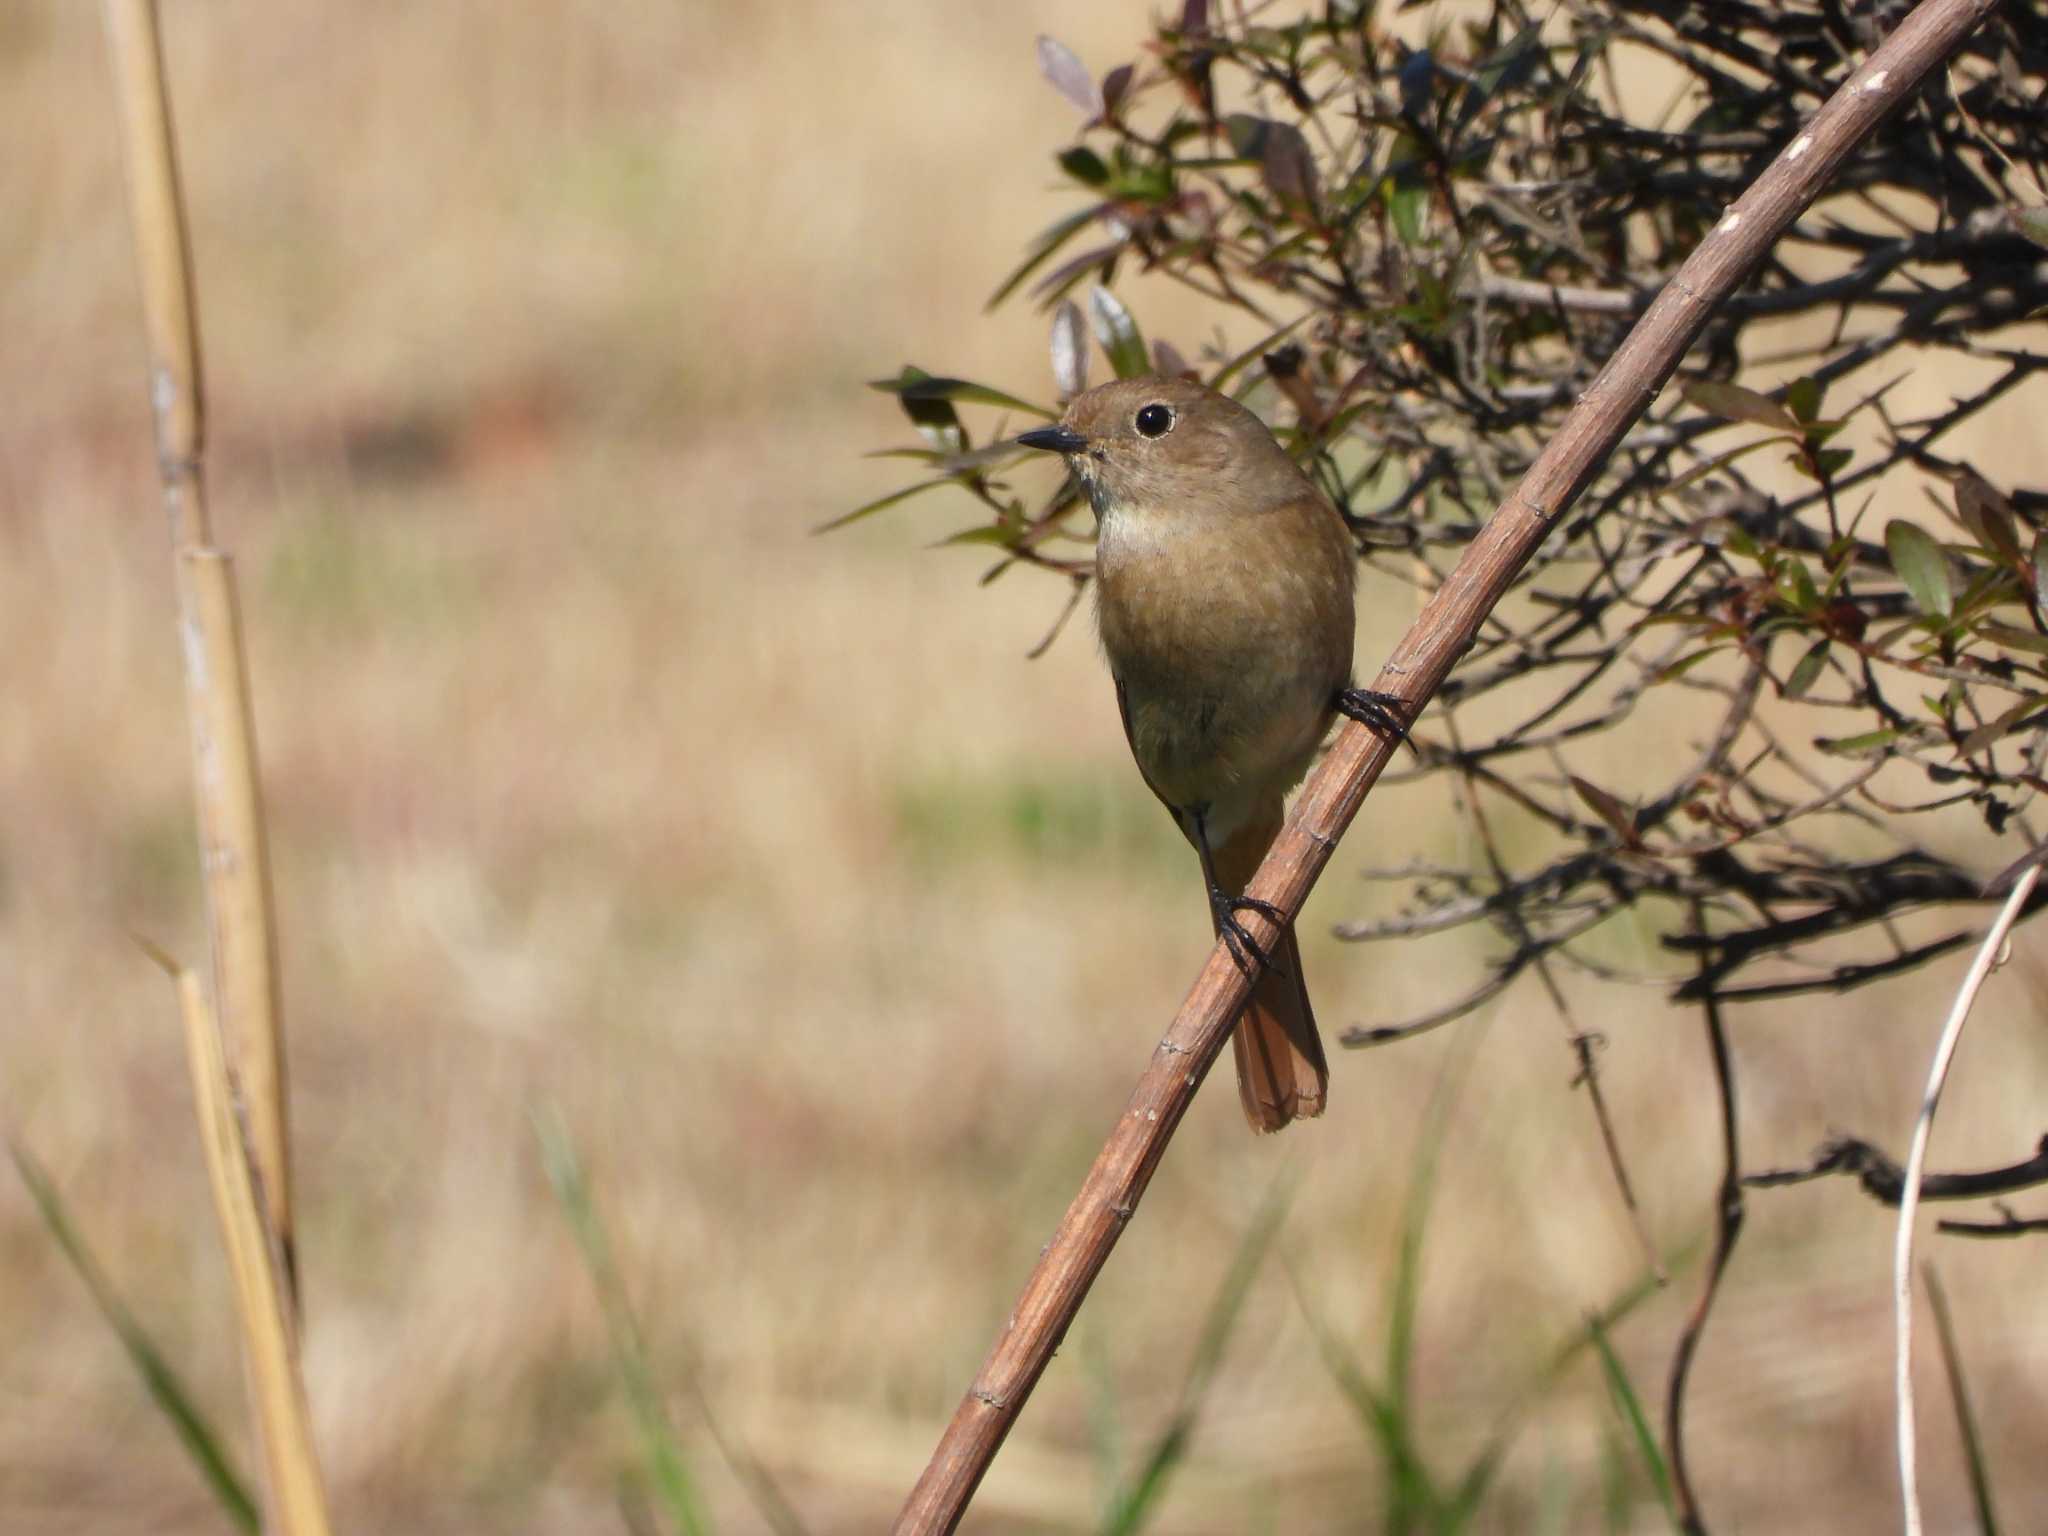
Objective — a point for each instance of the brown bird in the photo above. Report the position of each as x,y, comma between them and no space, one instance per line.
1224,599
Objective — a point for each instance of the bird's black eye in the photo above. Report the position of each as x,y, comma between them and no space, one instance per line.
1155,420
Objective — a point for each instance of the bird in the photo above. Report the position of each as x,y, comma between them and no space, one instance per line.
1224,603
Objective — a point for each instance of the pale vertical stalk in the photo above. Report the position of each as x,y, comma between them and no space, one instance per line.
234,859
297,1500
1988,959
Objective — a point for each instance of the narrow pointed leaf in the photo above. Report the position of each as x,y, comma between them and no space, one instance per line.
1619,818
868,509
2004,725
1118,333
1069,350
1630,1407
1115,85
1731,402
928,387
1922,566
166,1390
1806,672
1048,241
1857,746
1069,76
1983,509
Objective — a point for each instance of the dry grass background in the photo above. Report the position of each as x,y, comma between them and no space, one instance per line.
834,928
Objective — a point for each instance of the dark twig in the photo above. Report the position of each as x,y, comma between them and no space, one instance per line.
1883,1180
2009,1224
1728,1218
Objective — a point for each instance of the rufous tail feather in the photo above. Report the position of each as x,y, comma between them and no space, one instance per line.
1281,1073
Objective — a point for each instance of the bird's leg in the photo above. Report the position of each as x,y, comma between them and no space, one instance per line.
1224,907
1379,712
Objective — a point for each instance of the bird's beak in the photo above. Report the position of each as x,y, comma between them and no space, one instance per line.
1053,440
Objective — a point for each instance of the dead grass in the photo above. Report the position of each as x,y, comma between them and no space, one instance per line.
835,930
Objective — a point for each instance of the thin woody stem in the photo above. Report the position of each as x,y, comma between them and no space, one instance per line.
1446,628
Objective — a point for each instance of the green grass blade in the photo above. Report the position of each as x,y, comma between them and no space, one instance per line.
1966,1419
668,1471
1479,1475
1105,1424
1630,1407
1169,1450
1412,1493
165,1390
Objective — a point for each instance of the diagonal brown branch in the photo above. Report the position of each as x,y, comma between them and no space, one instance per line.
1446,628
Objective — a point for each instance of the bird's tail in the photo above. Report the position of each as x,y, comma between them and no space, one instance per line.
1281,1074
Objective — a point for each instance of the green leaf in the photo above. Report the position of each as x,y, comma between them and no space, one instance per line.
1685,664
981,533
1824,465
1802,398
1806,672
1048,241
1983,509
1856,746
926,387
880,502
1731,402
1922,566
1407,204
1993,730
2033,223
166,1391
1795,588
932,414
2014,639
1118,333
1505,69
1084,165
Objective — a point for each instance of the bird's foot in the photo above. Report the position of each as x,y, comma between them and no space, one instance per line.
1382,713
1250,955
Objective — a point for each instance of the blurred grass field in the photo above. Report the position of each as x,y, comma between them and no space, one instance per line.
834,930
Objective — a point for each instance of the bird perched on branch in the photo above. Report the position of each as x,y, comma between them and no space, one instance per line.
1224,599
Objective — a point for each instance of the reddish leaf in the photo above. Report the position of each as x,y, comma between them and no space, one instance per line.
1619,818
1115,85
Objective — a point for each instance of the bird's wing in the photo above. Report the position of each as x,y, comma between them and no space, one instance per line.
1123,710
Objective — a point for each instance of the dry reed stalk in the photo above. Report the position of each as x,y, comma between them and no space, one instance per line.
235,1045
234,858
1109,1195
294,1493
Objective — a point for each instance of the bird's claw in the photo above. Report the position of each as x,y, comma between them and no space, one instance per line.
1250,955
1383,713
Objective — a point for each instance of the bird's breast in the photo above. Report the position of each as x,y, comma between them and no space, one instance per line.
1228,636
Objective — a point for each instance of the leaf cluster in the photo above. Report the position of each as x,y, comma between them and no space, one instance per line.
1433,247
